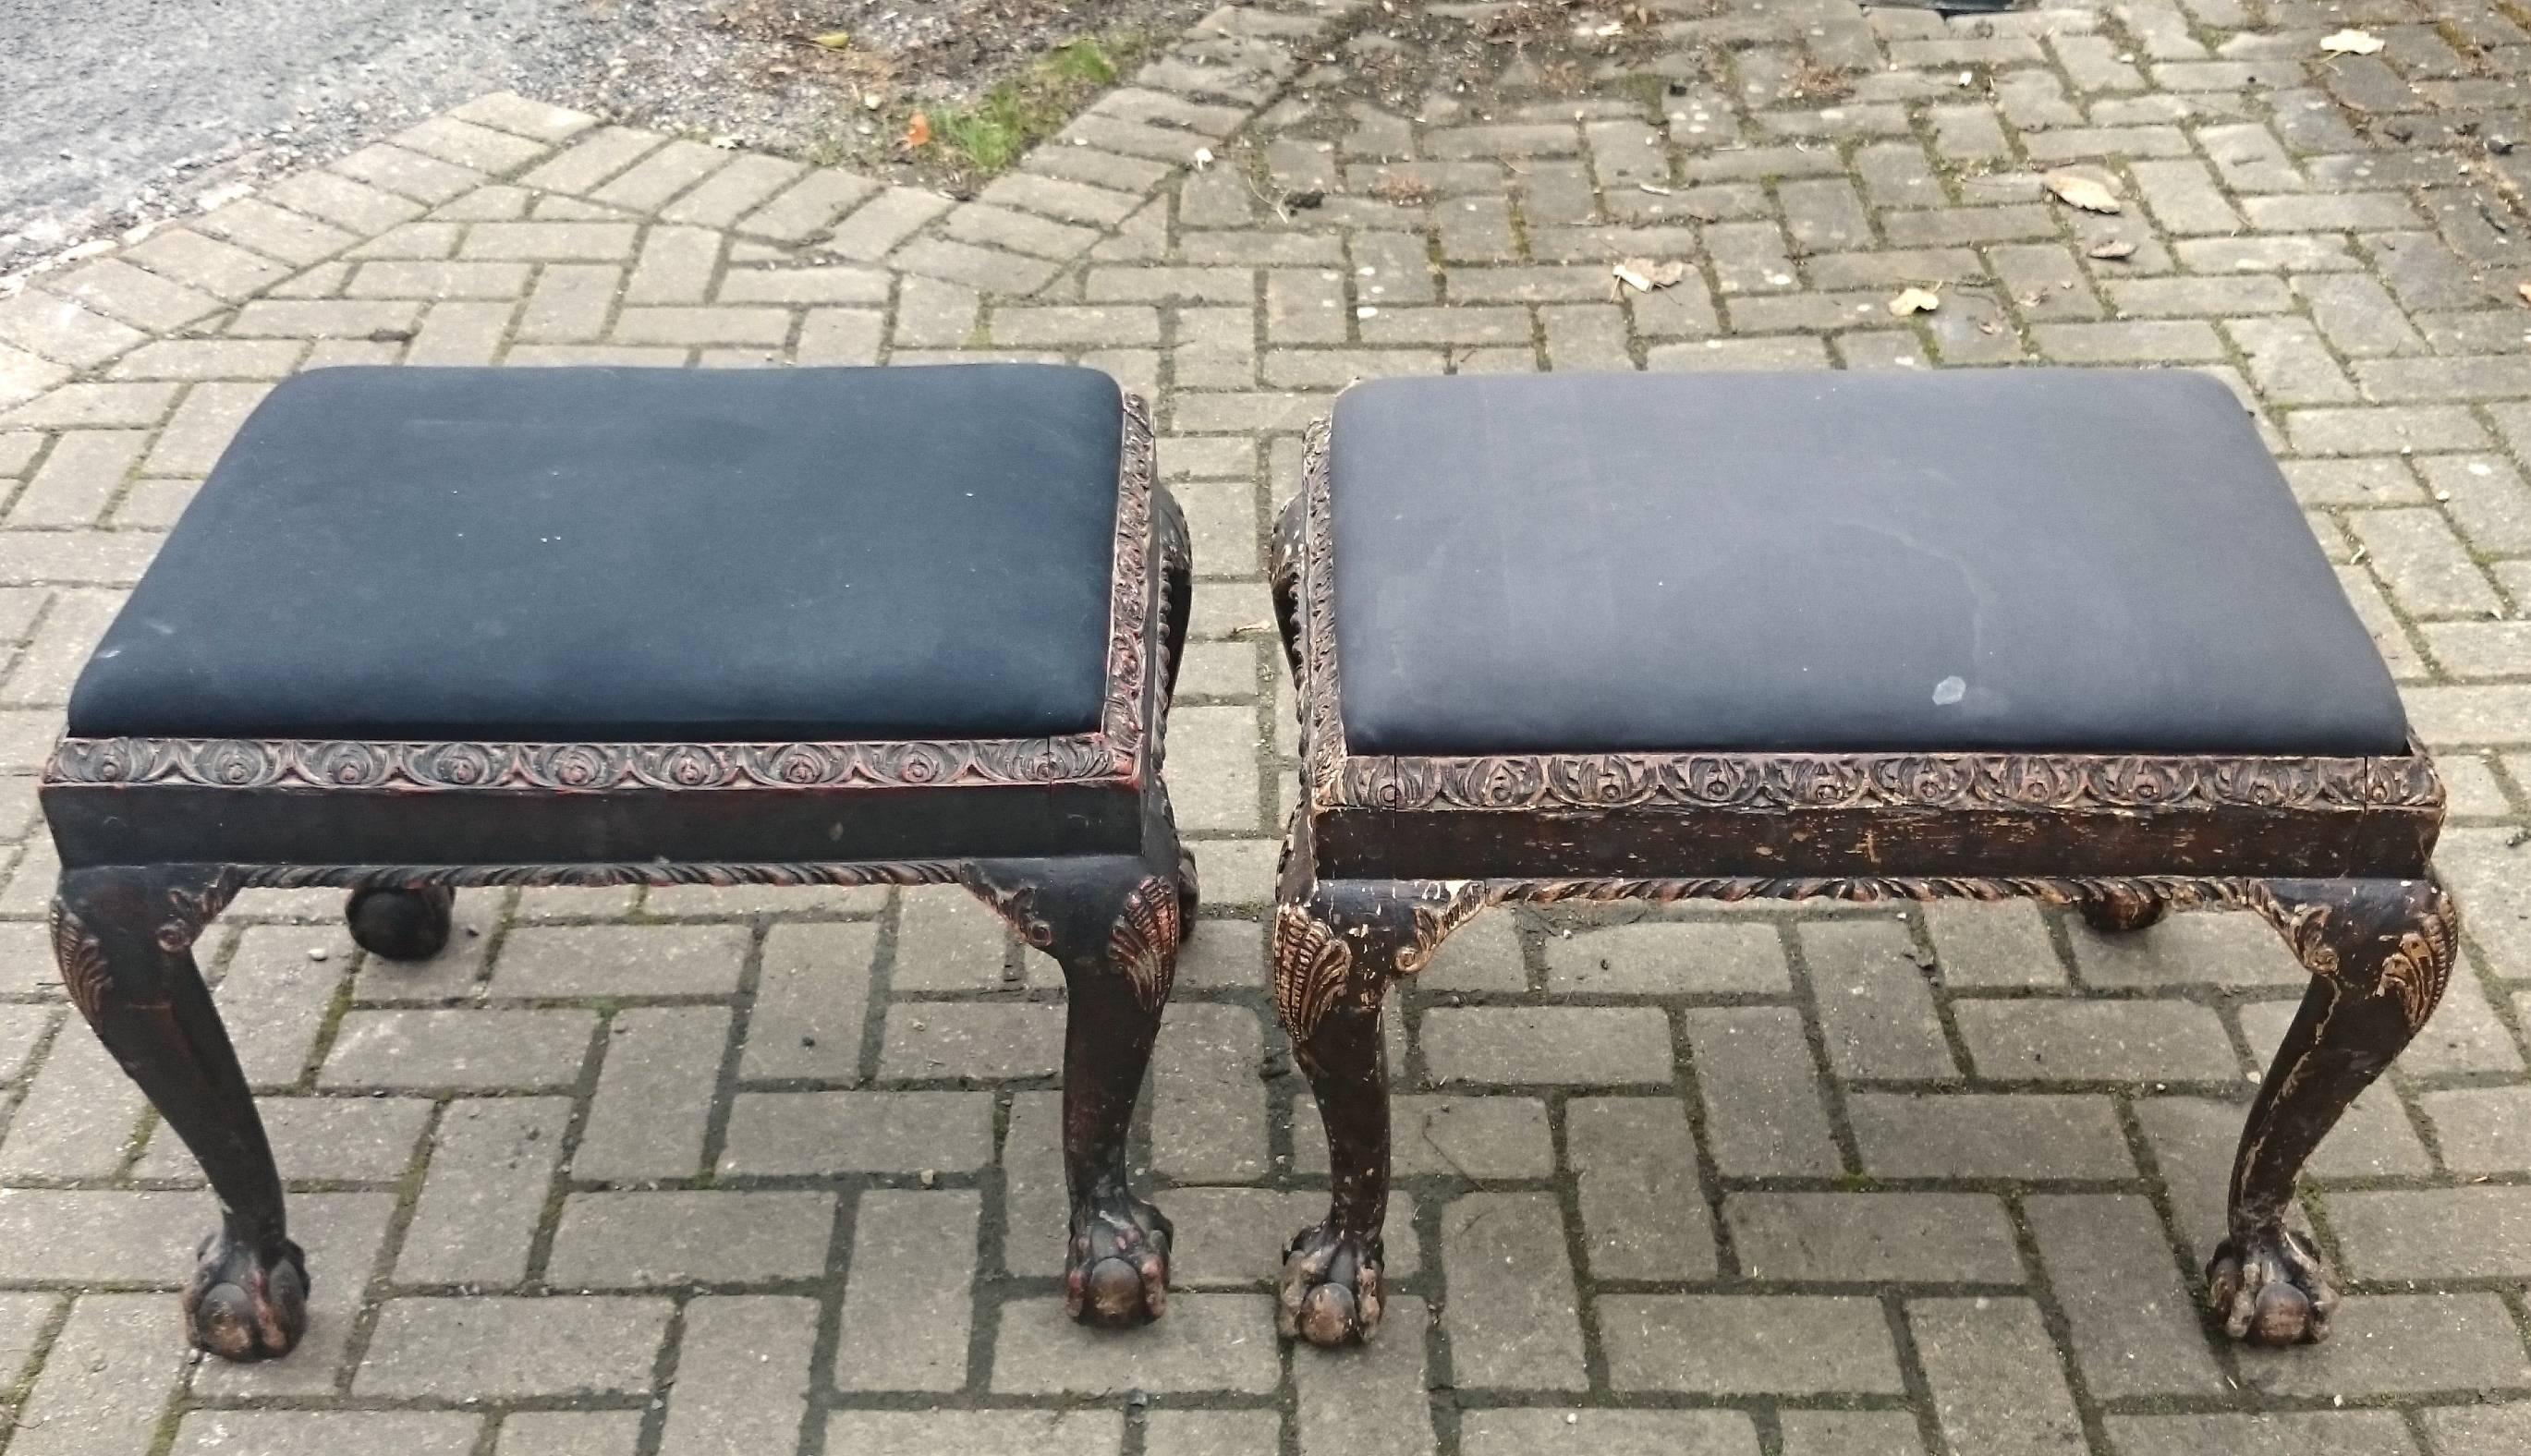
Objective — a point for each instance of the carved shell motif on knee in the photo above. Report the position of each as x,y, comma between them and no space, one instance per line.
1145,940
1311,965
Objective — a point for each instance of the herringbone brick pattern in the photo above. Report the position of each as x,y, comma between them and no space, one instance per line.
713,1170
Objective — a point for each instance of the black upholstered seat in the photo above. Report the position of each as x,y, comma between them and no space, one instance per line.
619,555
2079,560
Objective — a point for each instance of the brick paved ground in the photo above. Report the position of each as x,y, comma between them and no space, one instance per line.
705,1171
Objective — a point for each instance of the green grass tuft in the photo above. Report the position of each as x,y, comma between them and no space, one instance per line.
987,135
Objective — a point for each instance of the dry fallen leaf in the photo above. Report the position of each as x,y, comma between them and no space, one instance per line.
2350,43
2078,191
1643,274
2524,289
918,133
1914,301
2112,249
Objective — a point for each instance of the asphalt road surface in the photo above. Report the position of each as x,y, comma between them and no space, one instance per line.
115,110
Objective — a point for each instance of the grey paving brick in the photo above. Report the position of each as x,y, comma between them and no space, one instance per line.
906,1302
1368,1399
2423,563
2324,1434
2095,1041
468,1049
551,242
491,1163
1209,1109
569,1433
621,961
1491,1137
661,174
1656,958
1618,1432
2478,1431
321,1432
571,302
2135,1331
675,266
668,1237
1993,945
743,1375
1899,1236
870,231
1511,1320
412,174
2411,1343
655,1093
935,1041
2481,1130
1644,1214
1585,1046
484,1346
1956,1135
1808,1433
110,1377
2482,1231
975,1432
201,429
78,479
592,160
2217,949
880,1132
222,269
1742,1344
1211,1432
522,116
344,1139
78,1117
1208,1342
1762,1108
63,330
1876,1006
721,199
812,993
1995,1384
135,296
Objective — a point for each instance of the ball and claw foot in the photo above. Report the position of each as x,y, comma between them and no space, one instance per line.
2124,915
1331,1294
1118,1273
2270,1289
1188,895
244,1305
401,925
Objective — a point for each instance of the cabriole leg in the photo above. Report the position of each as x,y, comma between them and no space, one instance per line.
1337,946
2380,953
125,938
1114,926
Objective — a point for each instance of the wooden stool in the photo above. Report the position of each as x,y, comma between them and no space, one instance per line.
429,628
2049,634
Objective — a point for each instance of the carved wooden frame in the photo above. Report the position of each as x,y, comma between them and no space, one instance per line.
1820,815
1386,855
257,790
1069,839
